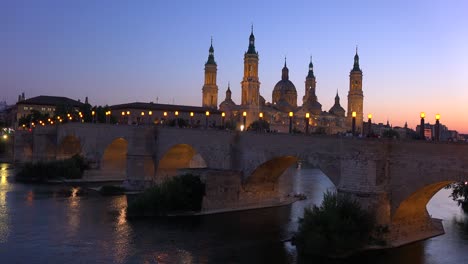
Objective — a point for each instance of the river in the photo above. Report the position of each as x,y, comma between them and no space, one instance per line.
53,224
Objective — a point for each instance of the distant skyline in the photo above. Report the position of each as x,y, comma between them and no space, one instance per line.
413,54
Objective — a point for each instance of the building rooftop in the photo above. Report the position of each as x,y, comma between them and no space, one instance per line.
50,100
166,107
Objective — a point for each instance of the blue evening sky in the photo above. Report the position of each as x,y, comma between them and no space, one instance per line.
414,54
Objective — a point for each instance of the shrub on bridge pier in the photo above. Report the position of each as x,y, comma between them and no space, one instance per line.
338,227
181,194
71,168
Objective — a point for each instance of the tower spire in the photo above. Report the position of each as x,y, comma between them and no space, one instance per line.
285,72
251,49
211,59
356,61
311,69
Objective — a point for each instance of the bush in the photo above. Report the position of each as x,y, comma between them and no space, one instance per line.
338,227
71,168
460,194
178,194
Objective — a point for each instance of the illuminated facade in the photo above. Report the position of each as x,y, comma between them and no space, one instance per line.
284,100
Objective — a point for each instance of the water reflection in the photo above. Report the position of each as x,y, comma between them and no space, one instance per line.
48,223
4,210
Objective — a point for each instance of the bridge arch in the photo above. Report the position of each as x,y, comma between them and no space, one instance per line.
268,173
414,207
178,156
68,147
114,159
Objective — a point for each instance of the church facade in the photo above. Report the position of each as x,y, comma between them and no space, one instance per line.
283,108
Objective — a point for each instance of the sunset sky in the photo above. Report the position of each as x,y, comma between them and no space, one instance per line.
414,54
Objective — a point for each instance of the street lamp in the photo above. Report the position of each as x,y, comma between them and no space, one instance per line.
437,128
150,117
108,117
369,124
290,121
421,126
191,119
244,114
93,113
307,119
176,118
207,114
353,127
223,116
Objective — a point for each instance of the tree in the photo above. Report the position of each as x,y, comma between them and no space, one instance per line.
34,117
339,226
460,194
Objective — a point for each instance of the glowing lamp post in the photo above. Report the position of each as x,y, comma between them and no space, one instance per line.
307,119
223,116
108,113
369,124
244,115
353,126
93,114
421,126
123,117
191,119
176,118
291,114
207,114
437,128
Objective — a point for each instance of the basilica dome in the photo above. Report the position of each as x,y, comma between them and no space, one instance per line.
285,90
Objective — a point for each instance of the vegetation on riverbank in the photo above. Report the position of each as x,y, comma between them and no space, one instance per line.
338,227
460,194
178,194
71,168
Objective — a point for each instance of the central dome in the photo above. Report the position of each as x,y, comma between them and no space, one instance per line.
285,90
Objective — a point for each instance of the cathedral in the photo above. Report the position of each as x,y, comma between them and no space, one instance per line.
283,113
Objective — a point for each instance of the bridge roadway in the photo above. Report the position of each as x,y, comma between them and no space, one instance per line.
394,179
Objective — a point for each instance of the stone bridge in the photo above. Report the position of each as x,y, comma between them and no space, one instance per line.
394,179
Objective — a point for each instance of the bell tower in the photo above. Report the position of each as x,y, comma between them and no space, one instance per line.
250,84
210,89
355,95
310,85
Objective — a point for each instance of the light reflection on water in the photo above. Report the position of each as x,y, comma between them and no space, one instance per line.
50,225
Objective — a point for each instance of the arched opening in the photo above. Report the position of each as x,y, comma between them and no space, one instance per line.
266,181
114,160
411,220
179,156
414,207
69,146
